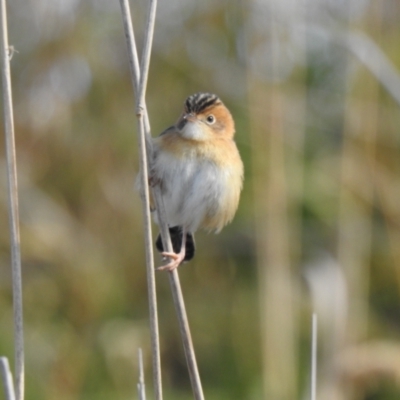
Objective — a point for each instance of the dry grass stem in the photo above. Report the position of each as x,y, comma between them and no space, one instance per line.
6,377
151,282
314,339
139,83
141,385
13,206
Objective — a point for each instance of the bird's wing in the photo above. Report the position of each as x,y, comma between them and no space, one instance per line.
168,130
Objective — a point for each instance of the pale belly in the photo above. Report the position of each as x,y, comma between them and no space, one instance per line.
197,194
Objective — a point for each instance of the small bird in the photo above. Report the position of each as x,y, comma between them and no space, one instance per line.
200,173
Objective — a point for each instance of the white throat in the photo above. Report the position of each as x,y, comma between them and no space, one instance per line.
194,131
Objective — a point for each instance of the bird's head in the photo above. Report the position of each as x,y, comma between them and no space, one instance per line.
204,118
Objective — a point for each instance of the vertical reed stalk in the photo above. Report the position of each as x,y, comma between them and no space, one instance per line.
139,82
314,341
6,378
151,281
141,385
13,207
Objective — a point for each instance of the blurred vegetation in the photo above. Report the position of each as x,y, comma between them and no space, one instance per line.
319,221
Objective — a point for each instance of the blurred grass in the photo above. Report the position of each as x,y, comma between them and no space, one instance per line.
282,72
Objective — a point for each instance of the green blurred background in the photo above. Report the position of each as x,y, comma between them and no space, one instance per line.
312,86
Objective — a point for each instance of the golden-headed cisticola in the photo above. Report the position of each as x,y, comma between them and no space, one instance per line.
200,173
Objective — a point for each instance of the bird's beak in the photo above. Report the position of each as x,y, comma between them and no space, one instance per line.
189,117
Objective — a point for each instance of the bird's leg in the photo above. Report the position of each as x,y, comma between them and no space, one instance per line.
176,258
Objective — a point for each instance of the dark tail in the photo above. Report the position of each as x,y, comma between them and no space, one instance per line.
176,239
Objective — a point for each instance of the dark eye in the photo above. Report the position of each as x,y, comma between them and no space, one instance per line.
210,119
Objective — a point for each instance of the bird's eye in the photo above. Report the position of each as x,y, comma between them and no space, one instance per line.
210,119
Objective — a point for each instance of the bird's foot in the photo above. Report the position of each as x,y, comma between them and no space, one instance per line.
175,260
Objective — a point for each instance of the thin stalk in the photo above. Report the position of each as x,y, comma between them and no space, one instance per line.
139,86
186,336
6,377
141,386
145,61
13,208
151,281
314,338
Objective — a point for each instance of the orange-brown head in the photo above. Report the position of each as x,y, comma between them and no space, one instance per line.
204,118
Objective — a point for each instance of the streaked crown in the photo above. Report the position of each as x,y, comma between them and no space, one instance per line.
198,102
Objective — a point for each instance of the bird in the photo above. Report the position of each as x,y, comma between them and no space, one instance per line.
199,170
